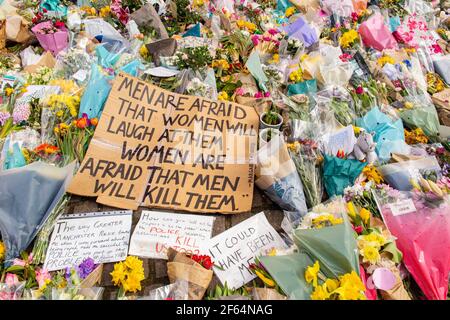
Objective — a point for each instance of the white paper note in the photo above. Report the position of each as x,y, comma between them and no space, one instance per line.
102,236
157,231
236,248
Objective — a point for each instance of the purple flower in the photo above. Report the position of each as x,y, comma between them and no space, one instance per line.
86,267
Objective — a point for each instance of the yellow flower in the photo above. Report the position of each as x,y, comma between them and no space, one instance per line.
134,263
372,174
118,274
268,282
296,75
105,11
320,293
385,59
351,210
374,239
370,254
9,91
221,63
365,215
275,58
240,23
132,282
290,11
331,285
2,251
349,292
143,51
198,3
311,273
223,96
348,38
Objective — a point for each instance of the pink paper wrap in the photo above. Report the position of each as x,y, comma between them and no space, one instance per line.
376,34
54,42
423,236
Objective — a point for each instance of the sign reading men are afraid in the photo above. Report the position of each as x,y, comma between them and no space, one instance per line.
156,148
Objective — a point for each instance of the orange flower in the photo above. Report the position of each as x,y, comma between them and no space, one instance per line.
94,122
46,148
82,123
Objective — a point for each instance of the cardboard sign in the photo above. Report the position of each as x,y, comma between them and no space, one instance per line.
102,236
157,231
235,249
162,149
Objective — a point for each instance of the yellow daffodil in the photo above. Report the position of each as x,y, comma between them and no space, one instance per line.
370,254
331,285
221,63
133,263
268,282
311,273
304,57
349,292
320,293
118,274
290,11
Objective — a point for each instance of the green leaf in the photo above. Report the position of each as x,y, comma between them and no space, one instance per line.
15,269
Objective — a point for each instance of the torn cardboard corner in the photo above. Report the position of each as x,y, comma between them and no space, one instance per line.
156,148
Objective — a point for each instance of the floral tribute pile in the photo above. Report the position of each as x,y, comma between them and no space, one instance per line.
355,92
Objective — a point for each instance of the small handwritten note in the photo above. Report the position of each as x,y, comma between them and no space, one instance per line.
157,231
102,236
402,207
235,249
343,139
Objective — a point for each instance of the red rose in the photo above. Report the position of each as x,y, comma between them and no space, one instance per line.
207,263
59,24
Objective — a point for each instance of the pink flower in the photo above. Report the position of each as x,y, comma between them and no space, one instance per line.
267,94
255,39
272,31
41,276
258,95
436,48
267,38
354,16
11,279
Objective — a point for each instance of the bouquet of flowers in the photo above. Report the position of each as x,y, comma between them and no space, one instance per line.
325,234
52,36
196,270
127,275
421,223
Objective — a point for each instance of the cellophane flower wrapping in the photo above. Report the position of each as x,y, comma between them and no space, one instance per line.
376,34
333,246
421,223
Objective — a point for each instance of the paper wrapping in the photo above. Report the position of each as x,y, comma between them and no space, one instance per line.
180,267
17,29
2,34
267,294
441,101
54,42
147,15
376,34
